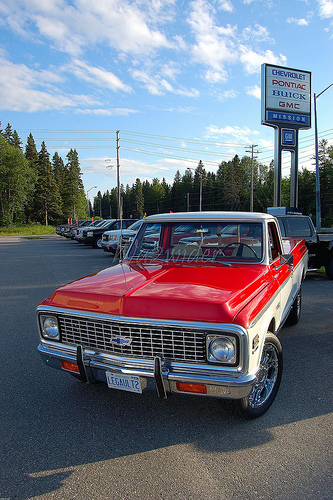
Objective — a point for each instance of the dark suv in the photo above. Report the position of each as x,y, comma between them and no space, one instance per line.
93,235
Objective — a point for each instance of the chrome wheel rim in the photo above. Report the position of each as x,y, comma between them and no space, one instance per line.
266,378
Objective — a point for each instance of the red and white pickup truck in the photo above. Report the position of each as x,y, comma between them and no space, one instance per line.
194,308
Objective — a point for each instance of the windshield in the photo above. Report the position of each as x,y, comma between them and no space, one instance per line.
197,241
136,226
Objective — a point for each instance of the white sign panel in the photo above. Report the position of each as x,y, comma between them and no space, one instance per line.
286,96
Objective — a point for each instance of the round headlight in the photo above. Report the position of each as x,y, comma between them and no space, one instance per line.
223,350
50,327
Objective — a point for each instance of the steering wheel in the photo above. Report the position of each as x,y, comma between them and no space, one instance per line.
240,249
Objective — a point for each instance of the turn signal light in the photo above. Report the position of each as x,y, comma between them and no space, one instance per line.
72,367
187,387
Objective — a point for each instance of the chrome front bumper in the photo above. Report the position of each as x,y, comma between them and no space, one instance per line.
154,374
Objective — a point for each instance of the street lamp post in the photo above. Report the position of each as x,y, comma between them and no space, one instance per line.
318,206
94,187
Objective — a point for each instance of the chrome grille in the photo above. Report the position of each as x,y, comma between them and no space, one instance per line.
169,343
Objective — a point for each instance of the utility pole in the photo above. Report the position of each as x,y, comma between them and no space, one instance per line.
200,164
252,167
118,179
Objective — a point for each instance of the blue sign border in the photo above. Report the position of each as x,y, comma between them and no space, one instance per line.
297,119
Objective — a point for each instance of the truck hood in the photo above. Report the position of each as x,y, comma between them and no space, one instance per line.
167,291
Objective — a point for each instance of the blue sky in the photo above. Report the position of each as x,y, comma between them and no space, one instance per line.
179,79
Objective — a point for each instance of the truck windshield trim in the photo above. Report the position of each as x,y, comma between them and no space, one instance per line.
198,241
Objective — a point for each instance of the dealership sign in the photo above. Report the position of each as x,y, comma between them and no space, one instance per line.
286,97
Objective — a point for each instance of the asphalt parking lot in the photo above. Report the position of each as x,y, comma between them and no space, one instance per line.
64,440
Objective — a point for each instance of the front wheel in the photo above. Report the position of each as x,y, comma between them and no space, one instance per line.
98,242
266,385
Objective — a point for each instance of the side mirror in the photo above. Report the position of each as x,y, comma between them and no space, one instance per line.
288,259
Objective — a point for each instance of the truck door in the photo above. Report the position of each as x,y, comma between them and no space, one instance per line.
280,272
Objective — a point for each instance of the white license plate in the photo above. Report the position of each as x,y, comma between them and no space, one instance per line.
129,383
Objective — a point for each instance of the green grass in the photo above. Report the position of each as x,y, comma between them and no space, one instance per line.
27,230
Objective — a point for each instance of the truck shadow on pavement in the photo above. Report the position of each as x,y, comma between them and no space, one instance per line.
82,424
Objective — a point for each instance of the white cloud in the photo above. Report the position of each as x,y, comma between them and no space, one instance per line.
227,94
257,34
240,133
170,70
96,76
215,45
252,61
225,5
157,85
216,76
72,27
254,91
30,90
325,8
218,46
106,112
298,22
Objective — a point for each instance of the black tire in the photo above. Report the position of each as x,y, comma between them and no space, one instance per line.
295,311
329,269
98,242
266,385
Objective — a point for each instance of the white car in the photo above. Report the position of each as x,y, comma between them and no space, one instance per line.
110,239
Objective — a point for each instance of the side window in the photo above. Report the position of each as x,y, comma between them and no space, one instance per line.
299,227
273,247
116,225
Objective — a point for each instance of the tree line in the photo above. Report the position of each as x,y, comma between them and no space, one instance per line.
229,188
37,188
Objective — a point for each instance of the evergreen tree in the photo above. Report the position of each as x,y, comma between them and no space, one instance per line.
31,150
306,190
167,196
177,203
7,134
17,143
264,193
32,157
59,172
106,206
232,176
98,205
74,199
138,199
47,198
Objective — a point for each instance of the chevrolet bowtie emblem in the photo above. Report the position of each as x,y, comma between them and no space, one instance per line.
121,340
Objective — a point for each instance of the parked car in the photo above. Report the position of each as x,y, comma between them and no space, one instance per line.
71,230
320,245
186,318
93,236
63,229
110,239
78,234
